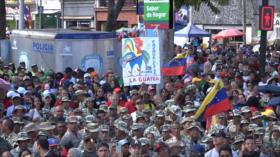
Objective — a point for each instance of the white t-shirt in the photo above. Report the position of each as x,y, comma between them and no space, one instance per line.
214,153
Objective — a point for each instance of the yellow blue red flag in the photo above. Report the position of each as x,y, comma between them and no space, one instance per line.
214,103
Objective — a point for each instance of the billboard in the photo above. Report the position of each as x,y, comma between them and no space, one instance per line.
140,61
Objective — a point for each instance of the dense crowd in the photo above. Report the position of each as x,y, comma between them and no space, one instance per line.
83,114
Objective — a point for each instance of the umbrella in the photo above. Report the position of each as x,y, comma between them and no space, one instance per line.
274,101
192,31
228,33
4,84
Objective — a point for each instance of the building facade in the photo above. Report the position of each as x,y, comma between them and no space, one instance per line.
126,18
231,16
78,14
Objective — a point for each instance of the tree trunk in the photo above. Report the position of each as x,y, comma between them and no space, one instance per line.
114,9
2,19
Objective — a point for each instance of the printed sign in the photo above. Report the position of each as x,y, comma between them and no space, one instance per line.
140,61
156,14
42,47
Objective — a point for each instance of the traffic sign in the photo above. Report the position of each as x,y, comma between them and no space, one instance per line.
266,18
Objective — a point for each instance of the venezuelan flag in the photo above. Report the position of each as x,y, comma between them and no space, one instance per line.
214,103
175,66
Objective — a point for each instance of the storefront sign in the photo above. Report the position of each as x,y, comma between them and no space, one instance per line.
156,14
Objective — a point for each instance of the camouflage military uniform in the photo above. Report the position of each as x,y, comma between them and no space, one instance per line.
11,138
15,152
154,130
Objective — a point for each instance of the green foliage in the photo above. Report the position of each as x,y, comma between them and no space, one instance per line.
212,4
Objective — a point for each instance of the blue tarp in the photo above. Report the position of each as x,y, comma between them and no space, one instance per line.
192,31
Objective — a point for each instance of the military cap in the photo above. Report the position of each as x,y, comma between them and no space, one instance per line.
133,92
252,126
256,115
72,119
140,115
275,128
92,127
188,109
45,126
123,142
33,65
236,113
136,126
123,110
80,92
22,136
126,117
190,88
238,138
159,113
89,118
146,110
135,142
113,107
103,108
144,141
77,110
244,121
104,127
187,119
195,125
165,127
189,103
42,133
259,131
65,99
121,125
139,102
207,138
89,99
245,109
19,107
30,127
16,120
175,109
218,133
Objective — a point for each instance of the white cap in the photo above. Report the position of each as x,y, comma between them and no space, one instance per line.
86,75
10,94
15,95
21,90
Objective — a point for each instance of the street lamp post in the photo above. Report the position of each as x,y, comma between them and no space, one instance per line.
21,15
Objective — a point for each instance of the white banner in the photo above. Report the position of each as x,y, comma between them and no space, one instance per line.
140,61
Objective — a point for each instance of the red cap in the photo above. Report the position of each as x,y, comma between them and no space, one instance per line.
117,90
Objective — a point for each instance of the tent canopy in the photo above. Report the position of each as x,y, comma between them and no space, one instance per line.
192,31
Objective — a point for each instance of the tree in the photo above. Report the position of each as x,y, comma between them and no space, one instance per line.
212,4
114,9
2,19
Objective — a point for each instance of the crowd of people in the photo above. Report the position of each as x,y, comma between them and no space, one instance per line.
83,114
